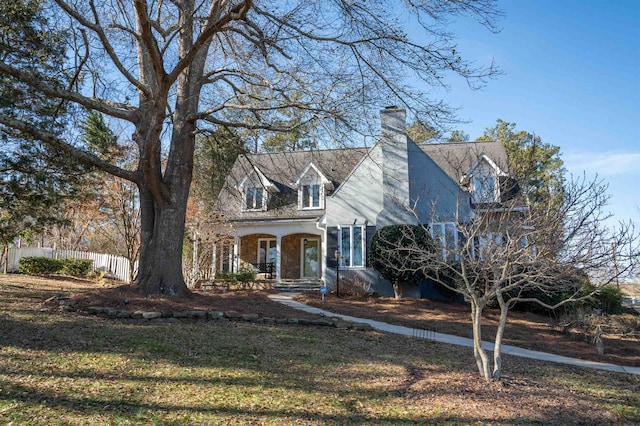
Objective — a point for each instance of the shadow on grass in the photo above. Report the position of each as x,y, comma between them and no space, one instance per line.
123,408
88,366
350,409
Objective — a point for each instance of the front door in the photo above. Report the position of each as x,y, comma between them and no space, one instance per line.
310,258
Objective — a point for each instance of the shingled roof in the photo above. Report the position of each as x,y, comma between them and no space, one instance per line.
282,169
456,158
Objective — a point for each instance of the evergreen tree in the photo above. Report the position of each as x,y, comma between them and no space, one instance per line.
420,132
34,178
536,165
214,157
458,136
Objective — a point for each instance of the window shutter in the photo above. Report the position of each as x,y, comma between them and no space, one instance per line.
332,246
370,231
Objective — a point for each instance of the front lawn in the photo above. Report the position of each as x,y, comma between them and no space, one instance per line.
61,367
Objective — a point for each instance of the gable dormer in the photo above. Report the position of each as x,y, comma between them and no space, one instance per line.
483,181
312,187
256,188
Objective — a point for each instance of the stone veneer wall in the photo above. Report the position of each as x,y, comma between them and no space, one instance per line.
290,252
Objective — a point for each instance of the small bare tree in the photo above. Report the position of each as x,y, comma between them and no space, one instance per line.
201,242
506,253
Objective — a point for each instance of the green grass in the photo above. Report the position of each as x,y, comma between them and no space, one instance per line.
61,369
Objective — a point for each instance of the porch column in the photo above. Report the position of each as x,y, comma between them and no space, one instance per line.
236,257
278,256
214,257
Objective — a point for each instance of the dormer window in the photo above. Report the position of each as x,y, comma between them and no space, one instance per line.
484,189
254,198
311,196
482,181
312,187
255,188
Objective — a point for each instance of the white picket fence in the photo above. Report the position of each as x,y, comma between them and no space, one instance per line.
116,267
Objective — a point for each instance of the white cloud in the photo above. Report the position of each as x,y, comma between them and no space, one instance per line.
603,163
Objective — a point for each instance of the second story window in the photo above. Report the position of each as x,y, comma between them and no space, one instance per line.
484,189
311,196
312,186
254,198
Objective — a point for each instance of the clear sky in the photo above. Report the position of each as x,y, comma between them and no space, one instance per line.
572,76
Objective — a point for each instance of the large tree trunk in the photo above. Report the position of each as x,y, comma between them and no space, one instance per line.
160,267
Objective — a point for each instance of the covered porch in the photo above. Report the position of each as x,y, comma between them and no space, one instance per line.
279,252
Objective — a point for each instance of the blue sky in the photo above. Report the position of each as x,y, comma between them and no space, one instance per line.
572,76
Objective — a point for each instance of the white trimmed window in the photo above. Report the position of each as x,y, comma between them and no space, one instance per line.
445,235
351,241
255,198
484,189
312,186
311,196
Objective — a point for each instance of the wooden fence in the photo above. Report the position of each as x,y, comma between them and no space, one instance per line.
116,267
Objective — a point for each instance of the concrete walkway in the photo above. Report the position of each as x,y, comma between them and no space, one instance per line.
287,299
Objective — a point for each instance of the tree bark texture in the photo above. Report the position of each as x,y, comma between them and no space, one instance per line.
497,346
480,355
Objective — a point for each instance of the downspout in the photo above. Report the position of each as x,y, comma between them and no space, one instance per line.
321,225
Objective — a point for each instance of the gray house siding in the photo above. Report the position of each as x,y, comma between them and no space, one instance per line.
395,181
435,197
359,198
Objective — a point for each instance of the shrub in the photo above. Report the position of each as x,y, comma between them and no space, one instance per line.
223,276
392,252
76,267
245,275
354,287
48,266
571,282
609,299
626,325
39,265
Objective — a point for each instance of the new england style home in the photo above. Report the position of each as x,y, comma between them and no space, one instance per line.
294,215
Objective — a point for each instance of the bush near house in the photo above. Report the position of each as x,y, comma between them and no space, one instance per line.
244,275
392,253
48,266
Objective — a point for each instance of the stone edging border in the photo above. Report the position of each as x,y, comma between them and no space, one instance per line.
67,305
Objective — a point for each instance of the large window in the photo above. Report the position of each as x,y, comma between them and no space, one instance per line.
254,198
311,196
351,243
445,235
488,243
484,189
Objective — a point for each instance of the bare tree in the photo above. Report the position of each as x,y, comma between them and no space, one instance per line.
504,253
122,220
165,69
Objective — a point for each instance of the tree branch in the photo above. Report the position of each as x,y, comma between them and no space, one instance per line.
82,155
114,109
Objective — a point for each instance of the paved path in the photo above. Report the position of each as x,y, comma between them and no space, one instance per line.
287,299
